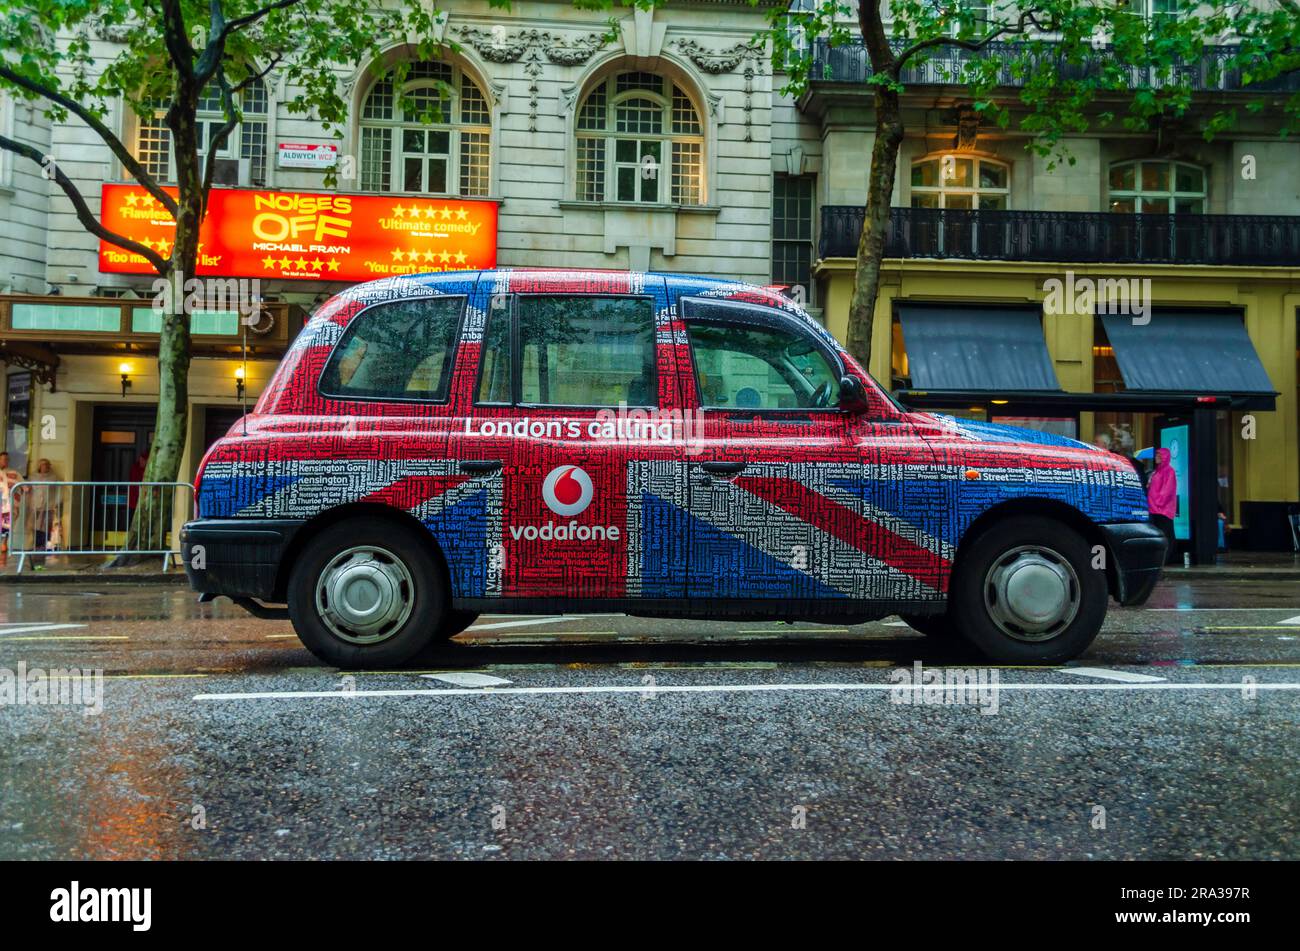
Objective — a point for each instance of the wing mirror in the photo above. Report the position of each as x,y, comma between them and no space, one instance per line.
853,395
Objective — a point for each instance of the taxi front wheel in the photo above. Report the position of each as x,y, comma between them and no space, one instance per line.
1026,592
366,594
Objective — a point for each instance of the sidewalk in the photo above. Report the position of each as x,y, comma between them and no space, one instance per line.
87,569
1243,566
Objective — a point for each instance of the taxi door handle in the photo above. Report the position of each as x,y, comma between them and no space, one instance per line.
722,468
480,465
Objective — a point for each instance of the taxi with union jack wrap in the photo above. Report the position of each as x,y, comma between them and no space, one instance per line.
529,441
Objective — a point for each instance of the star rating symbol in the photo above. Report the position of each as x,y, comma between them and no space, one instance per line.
430,212
461,214
317,264
398,254
428,257
284,262
399,211
131,199
446,213
300,264
333,265
268,261
149,200
444,257
460,257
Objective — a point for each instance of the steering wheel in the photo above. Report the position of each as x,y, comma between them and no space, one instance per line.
822,395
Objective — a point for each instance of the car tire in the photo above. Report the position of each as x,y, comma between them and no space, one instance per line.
366,593
1025,592
931,625
454,622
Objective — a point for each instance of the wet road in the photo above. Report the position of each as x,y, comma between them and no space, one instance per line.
1176,736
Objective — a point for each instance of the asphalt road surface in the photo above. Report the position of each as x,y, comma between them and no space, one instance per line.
1177,736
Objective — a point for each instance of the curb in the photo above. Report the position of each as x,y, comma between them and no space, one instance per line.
93,578
1219,574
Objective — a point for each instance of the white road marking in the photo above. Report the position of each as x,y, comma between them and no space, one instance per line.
1120,676
710,688
895,624
524,623
26,628
1291,620
1214,609
468,678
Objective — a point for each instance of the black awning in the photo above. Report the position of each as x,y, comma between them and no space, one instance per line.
1199,352
976,348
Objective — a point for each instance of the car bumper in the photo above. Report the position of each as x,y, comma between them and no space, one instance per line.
237,557
1137,552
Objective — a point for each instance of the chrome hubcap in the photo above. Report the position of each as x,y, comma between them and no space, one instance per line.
1032,593
364,595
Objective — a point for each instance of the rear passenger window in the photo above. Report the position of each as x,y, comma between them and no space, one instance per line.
401,350
587,351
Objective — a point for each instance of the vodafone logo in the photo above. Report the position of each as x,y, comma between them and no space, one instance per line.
567,490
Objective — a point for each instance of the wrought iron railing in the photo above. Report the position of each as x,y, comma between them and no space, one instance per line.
1102,237
1212,71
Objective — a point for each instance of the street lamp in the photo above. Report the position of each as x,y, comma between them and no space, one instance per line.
239,382
125,370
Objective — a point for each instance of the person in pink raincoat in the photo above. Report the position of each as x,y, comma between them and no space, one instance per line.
1162,496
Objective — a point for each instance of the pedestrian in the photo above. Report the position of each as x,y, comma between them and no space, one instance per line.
1162,498
46,507
8,479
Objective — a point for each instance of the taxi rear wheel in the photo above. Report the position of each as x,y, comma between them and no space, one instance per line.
1025,592
366,594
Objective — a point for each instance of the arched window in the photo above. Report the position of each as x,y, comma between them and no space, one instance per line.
402,152
960,181
248,140
632,127
1159,187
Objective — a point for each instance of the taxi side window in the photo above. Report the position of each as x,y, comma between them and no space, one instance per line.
573,350
749,358
401,350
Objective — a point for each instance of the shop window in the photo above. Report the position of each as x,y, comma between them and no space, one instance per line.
961,182
248,140
426,130
1157,187
630,127
792,232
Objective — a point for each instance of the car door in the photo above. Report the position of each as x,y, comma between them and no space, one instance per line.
559,429
782,489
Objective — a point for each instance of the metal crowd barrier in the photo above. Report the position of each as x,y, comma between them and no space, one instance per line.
94,518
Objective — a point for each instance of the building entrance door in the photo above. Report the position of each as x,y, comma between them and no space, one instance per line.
122,436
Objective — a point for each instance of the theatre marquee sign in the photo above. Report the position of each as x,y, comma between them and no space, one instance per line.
307,235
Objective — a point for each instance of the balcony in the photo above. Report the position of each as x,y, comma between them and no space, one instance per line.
1082,237
1207,73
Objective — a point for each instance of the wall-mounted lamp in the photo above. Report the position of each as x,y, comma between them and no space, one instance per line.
125,370
239,382
1000,402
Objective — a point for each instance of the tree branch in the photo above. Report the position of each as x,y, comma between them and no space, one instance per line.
1027,19
238,23
218,139
84,214
115,145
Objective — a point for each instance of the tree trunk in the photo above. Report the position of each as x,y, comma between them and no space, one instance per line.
875,224
151,522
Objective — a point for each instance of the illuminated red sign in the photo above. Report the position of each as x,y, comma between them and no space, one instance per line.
307,235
